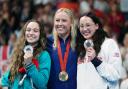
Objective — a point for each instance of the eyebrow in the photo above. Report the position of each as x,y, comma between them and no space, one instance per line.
32,28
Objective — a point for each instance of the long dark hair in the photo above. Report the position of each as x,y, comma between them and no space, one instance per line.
98,37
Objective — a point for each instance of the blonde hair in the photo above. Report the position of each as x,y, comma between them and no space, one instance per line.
73,28
17,56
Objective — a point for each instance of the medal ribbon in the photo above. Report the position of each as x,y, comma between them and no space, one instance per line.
63,62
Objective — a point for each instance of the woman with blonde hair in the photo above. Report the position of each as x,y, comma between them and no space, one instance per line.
61,47
30,67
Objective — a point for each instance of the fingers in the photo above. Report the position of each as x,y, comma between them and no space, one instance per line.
28,55
90,53
89,49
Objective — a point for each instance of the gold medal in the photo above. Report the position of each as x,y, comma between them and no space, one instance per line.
63,76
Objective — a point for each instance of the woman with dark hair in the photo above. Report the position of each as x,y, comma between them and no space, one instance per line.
99,59
30,67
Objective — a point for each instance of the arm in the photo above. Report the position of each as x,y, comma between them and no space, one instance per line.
40,76
110,69
4,80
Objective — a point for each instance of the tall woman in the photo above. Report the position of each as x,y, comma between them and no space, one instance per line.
62,51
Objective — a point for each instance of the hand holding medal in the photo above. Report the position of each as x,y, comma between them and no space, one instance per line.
87,44
28,51
28,54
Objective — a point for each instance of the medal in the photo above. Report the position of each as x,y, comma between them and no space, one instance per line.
28,48
63,75
88,43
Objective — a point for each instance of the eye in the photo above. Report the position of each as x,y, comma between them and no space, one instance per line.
81,25
64,20
28,29
87,25
36,30
57,20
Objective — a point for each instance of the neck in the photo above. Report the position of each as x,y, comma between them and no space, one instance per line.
64,37
126,46
33,44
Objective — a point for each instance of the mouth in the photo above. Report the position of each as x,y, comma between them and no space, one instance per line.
60,27
31,37
85,32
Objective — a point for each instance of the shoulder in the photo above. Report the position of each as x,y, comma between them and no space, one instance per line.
111,47
109,41
50,38
44,55
50,41
44,59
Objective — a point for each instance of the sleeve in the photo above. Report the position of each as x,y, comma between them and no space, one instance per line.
40,76
111,68
4,82
49,44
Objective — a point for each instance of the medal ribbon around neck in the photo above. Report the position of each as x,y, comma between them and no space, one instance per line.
63,62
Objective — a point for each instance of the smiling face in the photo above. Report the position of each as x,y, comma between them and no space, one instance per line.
32,33
87,27
62,23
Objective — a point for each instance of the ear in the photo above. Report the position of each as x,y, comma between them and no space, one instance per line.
96,26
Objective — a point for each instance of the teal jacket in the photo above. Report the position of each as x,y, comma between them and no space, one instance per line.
36,78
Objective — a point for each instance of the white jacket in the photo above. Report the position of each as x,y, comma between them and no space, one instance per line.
106,74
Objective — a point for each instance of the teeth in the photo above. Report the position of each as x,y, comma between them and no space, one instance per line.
31,37
60,27
86,32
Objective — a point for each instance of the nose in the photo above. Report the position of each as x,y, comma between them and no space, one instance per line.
84,28
60,23
31,32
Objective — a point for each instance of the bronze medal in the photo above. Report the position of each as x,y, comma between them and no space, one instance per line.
63,76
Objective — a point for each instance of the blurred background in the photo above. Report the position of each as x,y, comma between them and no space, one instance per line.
14,14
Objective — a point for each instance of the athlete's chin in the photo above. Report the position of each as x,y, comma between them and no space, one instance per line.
87,36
